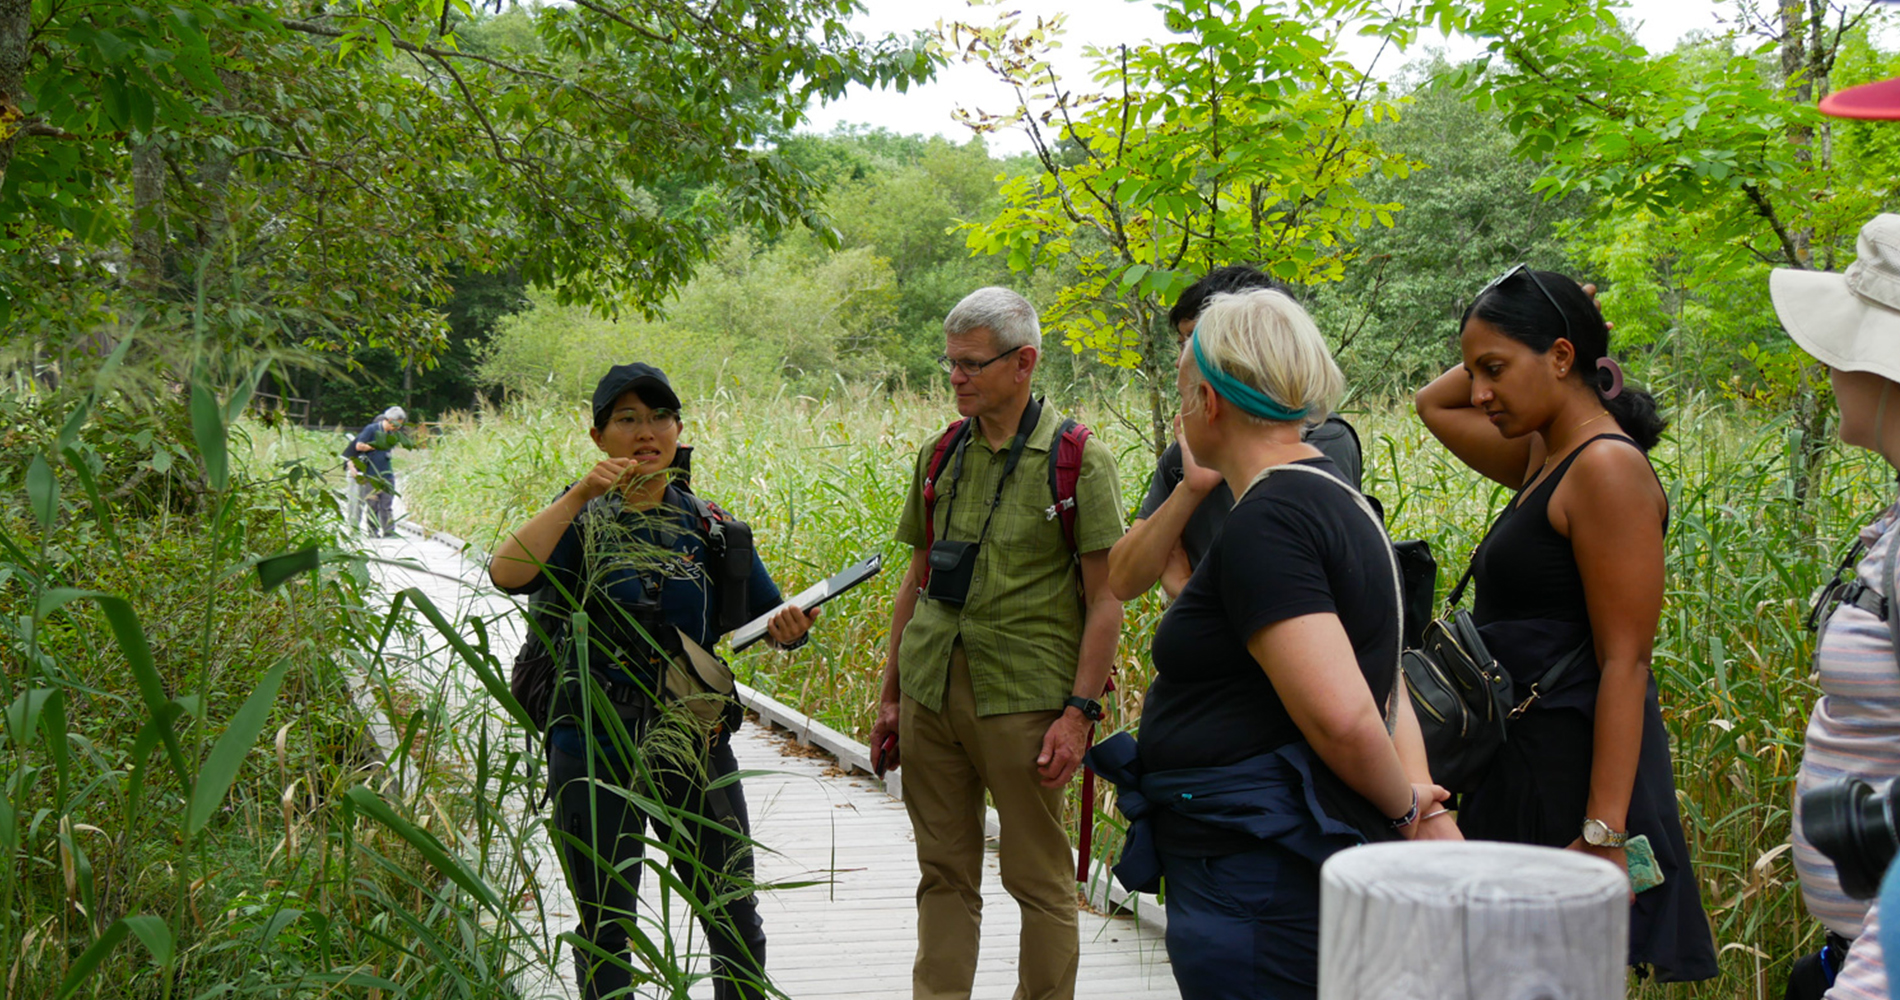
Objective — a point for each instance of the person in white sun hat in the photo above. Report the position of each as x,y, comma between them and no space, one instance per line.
1851,323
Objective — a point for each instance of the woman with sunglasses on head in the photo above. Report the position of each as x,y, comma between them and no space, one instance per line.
1574,561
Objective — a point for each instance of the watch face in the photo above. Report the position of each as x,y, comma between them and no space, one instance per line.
1596,833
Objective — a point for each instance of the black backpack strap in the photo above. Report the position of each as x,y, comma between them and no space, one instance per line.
1887,578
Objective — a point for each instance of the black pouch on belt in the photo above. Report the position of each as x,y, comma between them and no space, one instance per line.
952,564
732,555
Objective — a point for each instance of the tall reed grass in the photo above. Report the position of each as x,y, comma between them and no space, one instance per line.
822,481
191,804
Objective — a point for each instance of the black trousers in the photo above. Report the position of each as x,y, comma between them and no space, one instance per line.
708,859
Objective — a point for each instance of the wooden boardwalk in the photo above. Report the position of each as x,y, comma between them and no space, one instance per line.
854,932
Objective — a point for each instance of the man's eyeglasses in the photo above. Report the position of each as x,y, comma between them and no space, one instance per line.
972,368
655,419
1552,299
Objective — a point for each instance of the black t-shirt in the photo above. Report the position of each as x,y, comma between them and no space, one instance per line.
1295,545
1334,438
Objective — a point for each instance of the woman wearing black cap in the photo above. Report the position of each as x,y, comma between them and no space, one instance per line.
629,545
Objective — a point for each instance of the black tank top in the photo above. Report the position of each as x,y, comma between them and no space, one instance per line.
1524,569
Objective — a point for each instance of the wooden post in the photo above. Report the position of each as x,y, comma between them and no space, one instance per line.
1472,921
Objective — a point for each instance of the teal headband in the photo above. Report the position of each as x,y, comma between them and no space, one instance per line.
1240,393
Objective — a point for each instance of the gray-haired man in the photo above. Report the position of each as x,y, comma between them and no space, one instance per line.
373,479
1001,641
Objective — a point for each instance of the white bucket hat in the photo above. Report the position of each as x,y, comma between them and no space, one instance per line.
1849,321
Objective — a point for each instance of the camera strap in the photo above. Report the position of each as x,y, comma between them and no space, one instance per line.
1031,415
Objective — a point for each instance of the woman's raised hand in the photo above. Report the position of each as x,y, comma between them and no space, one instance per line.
607,474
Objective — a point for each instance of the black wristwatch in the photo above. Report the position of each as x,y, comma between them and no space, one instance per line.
1090,708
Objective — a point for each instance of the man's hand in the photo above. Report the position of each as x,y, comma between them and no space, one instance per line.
607,474
790,624
362,446
1062,748
885,729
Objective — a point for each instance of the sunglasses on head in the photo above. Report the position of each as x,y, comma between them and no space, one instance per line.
1535,280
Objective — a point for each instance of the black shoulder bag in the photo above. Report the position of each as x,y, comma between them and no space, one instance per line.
1463,699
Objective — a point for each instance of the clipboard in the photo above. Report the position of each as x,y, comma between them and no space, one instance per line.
809,598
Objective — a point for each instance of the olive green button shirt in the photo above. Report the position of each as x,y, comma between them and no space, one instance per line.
1022,622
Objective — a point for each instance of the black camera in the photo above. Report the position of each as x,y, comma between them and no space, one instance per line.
952,565
1857,828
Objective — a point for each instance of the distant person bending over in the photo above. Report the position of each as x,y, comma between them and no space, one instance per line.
1574,561
628,545
1167,546
1001,642
1277,731
372,476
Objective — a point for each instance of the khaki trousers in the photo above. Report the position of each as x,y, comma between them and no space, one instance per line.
950,758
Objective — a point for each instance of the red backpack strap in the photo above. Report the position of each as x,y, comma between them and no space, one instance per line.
1065,470
946,443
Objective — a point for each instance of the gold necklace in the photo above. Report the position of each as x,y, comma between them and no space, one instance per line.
1549,458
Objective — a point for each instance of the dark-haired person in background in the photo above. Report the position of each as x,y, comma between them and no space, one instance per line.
1146,555
1576,558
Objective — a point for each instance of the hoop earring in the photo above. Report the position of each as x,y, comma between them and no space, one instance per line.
1616,378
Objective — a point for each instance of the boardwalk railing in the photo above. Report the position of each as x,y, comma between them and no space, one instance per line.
291,408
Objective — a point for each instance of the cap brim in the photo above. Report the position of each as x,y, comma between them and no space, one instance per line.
1840,329
1878,101
653,392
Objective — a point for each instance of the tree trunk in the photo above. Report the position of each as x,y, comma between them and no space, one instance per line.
1157,364
1800,51
148,215
16,31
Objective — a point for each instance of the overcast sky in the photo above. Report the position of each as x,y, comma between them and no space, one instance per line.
1103,23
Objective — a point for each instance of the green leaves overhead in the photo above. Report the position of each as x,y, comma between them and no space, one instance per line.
1241,141
328,165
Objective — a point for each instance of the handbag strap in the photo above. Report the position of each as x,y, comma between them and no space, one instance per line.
1391,558
1458,591
1551,677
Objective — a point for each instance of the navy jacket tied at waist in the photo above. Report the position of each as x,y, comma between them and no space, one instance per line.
1273,796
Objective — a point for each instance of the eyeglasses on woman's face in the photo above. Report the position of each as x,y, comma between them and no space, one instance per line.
971,369
633,420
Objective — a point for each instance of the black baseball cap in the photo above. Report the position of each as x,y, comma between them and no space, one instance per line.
648,381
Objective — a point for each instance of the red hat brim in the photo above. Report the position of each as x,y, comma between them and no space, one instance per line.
1878,101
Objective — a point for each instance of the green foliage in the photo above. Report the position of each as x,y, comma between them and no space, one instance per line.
794,313
1242,142
1467,214
326,169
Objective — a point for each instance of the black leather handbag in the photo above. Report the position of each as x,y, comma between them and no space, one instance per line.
1463,698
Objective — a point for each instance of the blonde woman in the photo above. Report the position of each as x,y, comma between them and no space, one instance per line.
1275,673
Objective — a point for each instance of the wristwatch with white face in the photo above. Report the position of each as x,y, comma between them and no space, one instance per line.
1597,833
